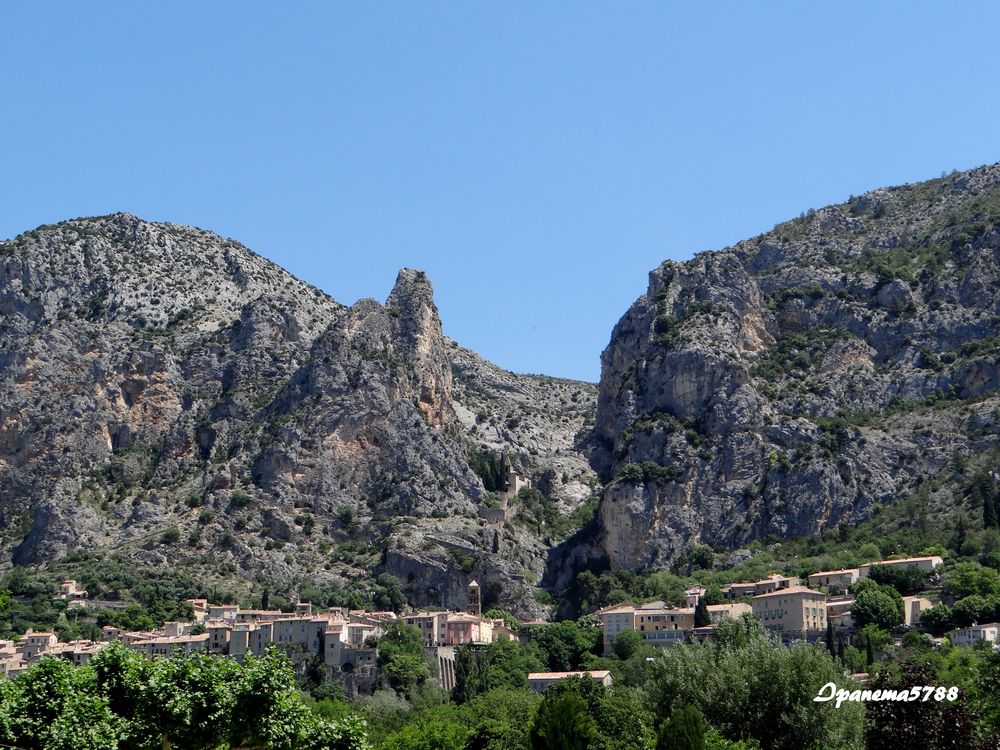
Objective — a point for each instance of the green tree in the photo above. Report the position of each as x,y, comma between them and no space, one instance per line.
129,702
500,664
967,579
879,607
830,645
701,616
401,659
563,723
500,719
388,593
747,684
971,609
713,595
684,730
906,581
627,643
565,644
937,620
430,731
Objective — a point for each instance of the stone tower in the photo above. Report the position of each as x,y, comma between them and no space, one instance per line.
474,602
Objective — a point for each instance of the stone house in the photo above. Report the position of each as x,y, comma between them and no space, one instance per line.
843,578
797,611
539,681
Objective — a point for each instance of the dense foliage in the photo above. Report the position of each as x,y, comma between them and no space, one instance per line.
123,701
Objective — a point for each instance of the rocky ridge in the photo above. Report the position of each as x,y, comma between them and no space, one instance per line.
799,379
174,399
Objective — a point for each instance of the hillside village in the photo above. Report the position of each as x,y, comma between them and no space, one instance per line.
344,642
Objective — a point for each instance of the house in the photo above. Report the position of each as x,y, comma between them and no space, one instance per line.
167,645
693,595
739,590
539,681
718,612
69,589
222,612
513,481
912,607
797,611
430,624
614,620
773,582
989,632
465,628
663,625
31,644
843,578
928,564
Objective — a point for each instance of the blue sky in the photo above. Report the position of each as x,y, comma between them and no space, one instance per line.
536,159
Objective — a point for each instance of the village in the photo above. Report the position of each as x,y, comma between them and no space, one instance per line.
344,643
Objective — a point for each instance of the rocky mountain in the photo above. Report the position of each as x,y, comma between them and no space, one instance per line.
799,379
173,399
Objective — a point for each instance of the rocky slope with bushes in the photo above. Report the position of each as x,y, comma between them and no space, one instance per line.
174,400
800,379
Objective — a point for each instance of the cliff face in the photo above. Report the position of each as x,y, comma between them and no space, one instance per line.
795,381
173,398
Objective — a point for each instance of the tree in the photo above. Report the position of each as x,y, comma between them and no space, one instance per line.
701,616
562,723
713,595
874,639
748,684
627,643
970,610
684,730
564,644
621,715
879,607
937,620
902,725
906,581
431,732
500,719
124,700
830,645
401,659
500,664
388,593
966,579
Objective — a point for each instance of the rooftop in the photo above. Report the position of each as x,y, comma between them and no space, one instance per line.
792,590
597,674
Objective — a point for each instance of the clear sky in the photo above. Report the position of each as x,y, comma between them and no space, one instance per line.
536,159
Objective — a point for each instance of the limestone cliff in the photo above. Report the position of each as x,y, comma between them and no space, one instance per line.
173,399
795,381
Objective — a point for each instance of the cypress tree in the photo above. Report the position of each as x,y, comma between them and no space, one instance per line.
989,511
701,616
829,639
684,730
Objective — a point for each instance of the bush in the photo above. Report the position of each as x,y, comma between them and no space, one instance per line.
170,536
